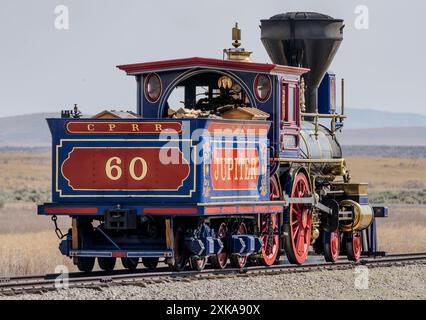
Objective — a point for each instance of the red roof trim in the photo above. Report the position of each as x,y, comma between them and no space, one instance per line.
208,62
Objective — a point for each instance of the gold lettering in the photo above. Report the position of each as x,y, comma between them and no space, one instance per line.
230,167
91,127
132,169
236,169
158,127
135,127
247,168
222,169
110,168
216,173
111,126
241,163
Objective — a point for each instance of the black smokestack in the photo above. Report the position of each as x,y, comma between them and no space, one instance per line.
303,39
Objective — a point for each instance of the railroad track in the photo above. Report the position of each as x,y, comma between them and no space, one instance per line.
99,279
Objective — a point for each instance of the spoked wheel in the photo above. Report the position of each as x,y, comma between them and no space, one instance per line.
130,263
150,263
268,224
220,260
354,245
180,258
332,246
85,264
236,260
298,228
198,264
106,263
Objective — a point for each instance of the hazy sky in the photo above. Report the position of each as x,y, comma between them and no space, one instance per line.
44,69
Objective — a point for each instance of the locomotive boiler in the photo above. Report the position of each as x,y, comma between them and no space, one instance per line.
224,161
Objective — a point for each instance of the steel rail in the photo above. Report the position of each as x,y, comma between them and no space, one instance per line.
40,283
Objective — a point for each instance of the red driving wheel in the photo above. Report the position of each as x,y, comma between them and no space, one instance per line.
332,246
269,230
198,264
220,260
236,260
268,226
354,246
298,228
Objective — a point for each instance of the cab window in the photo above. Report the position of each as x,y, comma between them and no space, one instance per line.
289,103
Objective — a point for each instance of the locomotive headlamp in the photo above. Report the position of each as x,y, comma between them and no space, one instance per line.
152,87
262,87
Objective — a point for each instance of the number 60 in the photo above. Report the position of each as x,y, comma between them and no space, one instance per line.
114,171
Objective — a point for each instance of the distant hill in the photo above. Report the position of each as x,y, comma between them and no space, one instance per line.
26,131
363,127
406,136
367,118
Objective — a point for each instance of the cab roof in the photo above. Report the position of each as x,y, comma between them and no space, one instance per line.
188,63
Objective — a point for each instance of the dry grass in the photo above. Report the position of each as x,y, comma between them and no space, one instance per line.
388,173
23,218
28,243
23,169
30,253
403,231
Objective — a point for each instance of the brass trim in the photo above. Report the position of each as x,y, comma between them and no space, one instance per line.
74,234
352,189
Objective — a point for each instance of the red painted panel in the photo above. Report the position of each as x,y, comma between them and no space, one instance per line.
124,169
170,211
119,254
275,208
262,209
213,210
235,129
229,210
115,127
67,210
208,62
235,168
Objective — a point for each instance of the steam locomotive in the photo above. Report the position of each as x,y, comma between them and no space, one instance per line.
225,161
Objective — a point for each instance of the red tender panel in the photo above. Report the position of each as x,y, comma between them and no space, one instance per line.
68,210
235,169
87,169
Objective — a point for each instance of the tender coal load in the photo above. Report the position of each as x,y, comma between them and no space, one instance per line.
303,39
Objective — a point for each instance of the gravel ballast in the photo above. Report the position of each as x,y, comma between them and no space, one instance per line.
396,282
